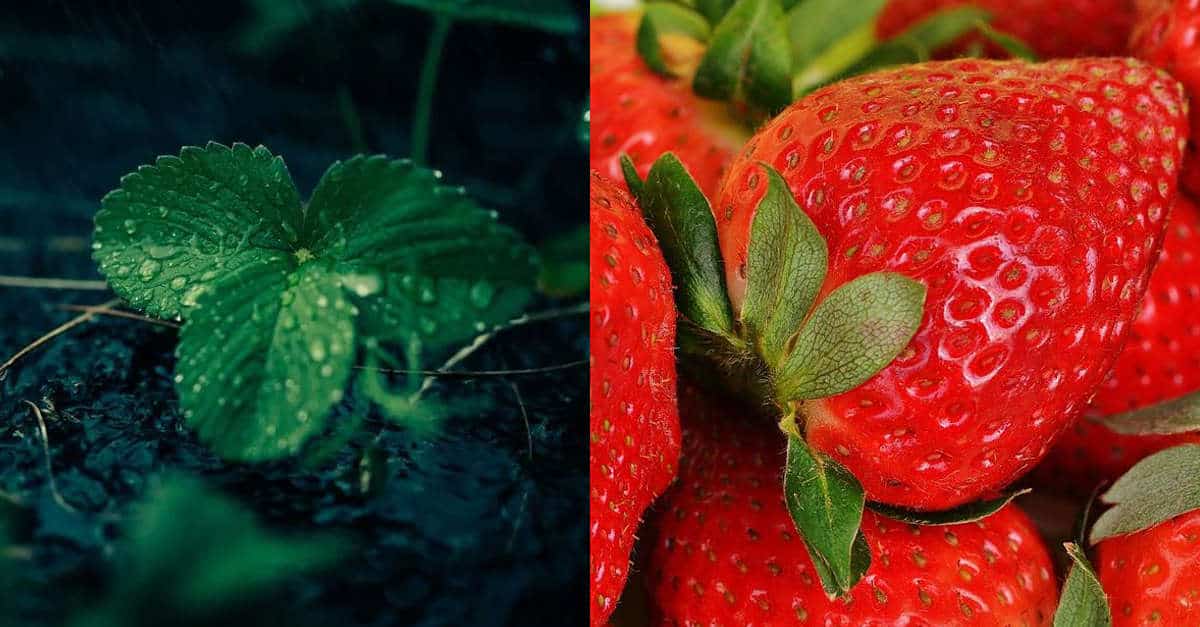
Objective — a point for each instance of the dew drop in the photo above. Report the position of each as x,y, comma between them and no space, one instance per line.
362,284
316,350
482,293
427,294
178,283
428,326
160,252
149,268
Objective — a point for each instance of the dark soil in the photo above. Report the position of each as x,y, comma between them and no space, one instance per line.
467,527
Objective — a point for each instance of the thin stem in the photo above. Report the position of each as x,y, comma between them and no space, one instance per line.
480,340
466,374
117,313
55,332
524,416
54,493
52,284
426,86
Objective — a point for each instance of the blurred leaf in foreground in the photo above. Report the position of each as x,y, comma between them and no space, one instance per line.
195,557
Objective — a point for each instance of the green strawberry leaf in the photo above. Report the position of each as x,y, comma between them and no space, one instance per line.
817,25
172,228
662,18
1015,48
713,10
851,335
914,45
785,266
193,556
447,268
748,58
826,504
1178,415
828,36
564,263
1083,602
1156,489
554,16
263,357
272,291
680,216
970,512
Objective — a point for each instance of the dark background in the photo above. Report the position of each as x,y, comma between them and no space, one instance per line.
468,528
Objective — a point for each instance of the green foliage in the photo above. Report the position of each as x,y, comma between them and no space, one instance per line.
970,512
274,20
748,60
852,334
1083,602
277,295
1177,415
786,265
660,18
565,263
1160,487
554,16
681,218
191,556
826,503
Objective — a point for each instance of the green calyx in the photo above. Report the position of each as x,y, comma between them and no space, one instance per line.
1156,489
1083,602
795,339
761,55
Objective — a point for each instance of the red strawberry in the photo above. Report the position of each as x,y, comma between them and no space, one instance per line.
1029,199
1161,361
1052,28
1152,577
1165,35
728,554
634,421
638,112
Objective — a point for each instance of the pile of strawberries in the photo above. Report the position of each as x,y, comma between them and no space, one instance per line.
832,340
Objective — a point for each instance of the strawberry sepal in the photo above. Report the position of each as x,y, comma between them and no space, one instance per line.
970,512
1178,415
1083,601
826,504
1158,488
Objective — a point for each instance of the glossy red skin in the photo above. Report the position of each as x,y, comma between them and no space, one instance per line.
1153,577
1052,28
728,554
634,419
1161,361
639,113
1034,262
1167,34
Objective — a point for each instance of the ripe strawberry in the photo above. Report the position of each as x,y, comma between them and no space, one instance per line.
1161,361
1165,35
1029,199
634,421
1052,28
638,112
1152,577
728,554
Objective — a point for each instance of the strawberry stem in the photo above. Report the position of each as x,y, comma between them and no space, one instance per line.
426,85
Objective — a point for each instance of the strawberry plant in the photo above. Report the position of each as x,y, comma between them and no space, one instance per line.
280,296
